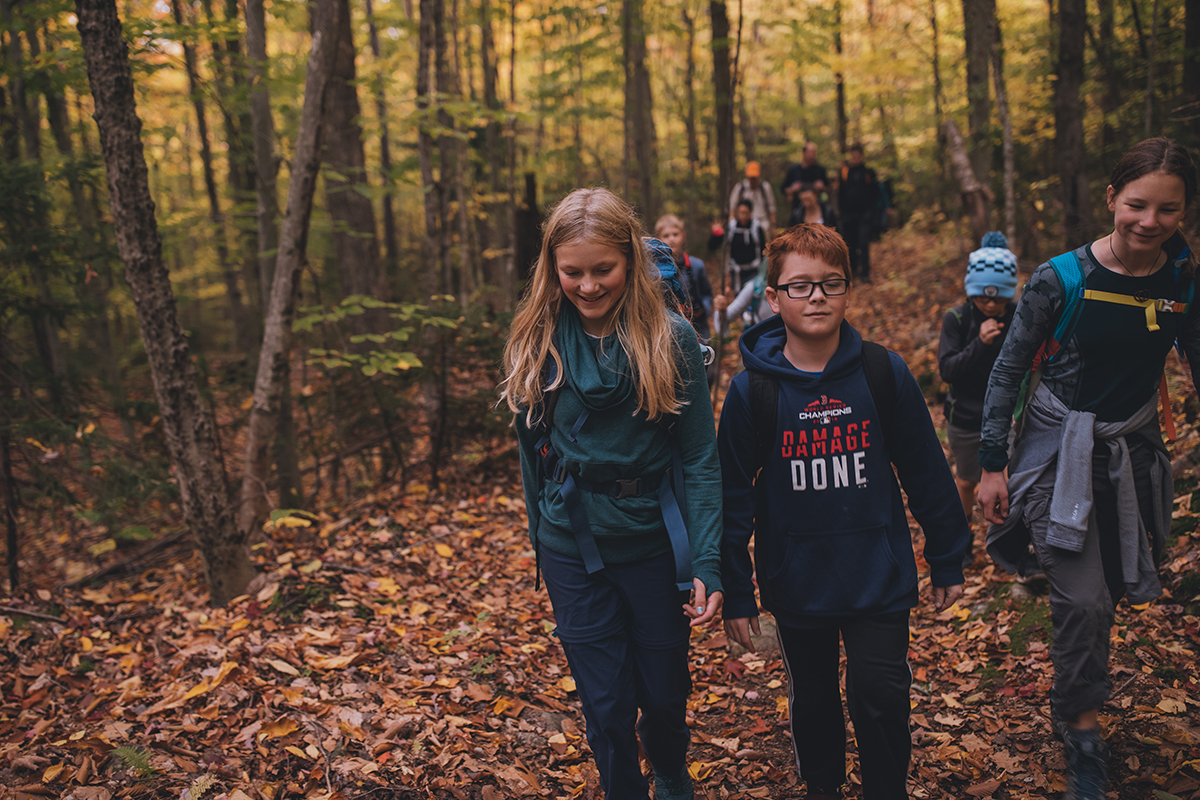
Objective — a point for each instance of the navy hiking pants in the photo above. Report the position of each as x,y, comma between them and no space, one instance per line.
626,640
877,683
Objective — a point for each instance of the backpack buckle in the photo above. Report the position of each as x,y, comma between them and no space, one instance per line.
1171,306
628,488
560,472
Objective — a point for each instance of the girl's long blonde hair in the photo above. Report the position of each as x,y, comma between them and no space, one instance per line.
643,326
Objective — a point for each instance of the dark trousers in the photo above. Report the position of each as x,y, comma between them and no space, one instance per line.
1085,587
877,683
856,231
626,640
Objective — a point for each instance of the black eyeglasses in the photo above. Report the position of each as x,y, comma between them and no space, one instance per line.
802,289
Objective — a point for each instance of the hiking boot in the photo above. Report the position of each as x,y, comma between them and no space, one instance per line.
1087,764
678,787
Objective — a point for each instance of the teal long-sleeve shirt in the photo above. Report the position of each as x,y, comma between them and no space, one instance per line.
619,443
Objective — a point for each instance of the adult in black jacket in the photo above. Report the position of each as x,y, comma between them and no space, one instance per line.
858,206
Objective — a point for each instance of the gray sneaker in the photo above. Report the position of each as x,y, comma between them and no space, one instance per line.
1087,764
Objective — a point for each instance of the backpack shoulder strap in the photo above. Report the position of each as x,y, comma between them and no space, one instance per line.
881,381
764,409
1069,272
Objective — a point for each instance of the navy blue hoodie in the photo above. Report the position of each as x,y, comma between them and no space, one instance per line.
832,538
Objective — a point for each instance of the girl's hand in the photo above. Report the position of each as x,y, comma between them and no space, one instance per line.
703,606
738,630
993,496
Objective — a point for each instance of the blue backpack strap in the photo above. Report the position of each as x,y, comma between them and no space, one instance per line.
673,502
1069,272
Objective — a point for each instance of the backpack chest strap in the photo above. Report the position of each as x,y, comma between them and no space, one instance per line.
1151,305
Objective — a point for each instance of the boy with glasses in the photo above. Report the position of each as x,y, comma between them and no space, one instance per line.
808,438
972,334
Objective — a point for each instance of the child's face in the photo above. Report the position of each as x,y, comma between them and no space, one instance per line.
808,198
818,316
675,239
592,276
990,306
743,215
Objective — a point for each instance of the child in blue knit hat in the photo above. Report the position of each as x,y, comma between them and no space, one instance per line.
972,334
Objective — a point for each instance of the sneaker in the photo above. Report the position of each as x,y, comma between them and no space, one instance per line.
678,787
1087,764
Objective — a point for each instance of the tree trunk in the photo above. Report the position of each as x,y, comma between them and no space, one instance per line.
641,146
1010,200
938,112
18,84
447,151
1191,69
293,239
11,539
243,339
1068,123
839,79
187,428
467,245
974,194
689,121
266,167
495,232
390,245
355,246
723,102
747,127
1110,98
978,18
432,187
1150,66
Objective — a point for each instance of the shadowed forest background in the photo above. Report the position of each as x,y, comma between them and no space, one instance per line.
257,261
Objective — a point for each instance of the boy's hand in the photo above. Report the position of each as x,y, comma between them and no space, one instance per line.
720,302
738,630
946,596
993,496
989,330
702,606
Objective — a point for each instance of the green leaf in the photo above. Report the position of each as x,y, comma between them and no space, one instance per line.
134,533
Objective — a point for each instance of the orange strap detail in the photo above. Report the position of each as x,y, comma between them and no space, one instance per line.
1165,398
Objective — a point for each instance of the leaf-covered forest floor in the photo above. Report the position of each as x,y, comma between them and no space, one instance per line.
395,647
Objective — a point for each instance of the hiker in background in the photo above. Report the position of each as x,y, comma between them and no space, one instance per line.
808,171
750,304
808,438
758,192
858,207
608,394
972,335
746,239
812,209
670,229
1106,315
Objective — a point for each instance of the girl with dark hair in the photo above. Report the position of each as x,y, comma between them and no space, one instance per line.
1098,533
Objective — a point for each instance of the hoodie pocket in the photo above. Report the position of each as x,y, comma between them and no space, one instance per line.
836,572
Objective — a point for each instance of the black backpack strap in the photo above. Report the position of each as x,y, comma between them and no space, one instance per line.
764,409
881,381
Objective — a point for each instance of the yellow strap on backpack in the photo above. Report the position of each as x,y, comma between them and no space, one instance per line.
1152,306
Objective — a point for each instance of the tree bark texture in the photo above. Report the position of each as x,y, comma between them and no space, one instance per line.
1010,199
1191,69
355,245
433,187
723,103
242,336
978,18
689,121
390,244
187,428
975,195
1068,123
641,145
266,167
293,240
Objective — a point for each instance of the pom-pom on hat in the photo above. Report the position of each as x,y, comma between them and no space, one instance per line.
992,269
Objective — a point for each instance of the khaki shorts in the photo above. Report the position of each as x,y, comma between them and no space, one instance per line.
964,445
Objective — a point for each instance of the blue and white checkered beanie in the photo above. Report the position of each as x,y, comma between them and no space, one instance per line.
992,269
